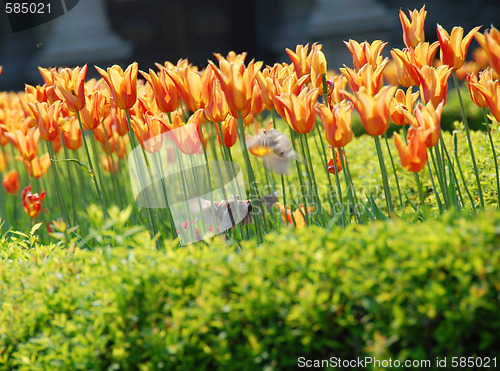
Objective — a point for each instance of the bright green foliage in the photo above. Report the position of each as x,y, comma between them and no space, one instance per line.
386,289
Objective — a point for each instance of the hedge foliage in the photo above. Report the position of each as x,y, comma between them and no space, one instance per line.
393,289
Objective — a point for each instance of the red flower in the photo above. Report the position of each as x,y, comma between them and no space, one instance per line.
32,202
11,182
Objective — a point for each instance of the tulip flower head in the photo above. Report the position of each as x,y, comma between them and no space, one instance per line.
373,109
39,166
413,31
297,215
122,85
70,87
454,47
337,123
32,202
434,83
366,53
490,42
427,118
11,182
165,91
299,110
413,154
335,154
402,101
237,84
229,128
480,88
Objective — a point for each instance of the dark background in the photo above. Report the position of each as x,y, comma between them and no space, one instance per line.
160,30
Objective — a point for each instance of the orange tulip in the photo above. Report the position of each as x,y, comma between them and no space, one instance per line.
187,137
299,110
40,94
70,87
122,85
413,154
338,161
116,144
32,202
338,83
256,103
337,123
47,75
11,182
478,94
27,143
367,76
165,90
413,31
428,119
298,215
118,119
490,42
229,129
147,129
189,85
402,101
304,63
72,135
237,84
366,53
491,94
318,68
39,166
47,118
409,60
373,110
216,109
454,47
434,83
96,109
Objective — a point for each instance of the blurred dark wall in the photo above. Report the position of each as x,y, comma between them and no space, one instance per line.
161,30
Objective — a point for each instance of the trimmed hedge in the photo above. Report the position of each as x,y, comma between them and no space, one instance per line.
390,290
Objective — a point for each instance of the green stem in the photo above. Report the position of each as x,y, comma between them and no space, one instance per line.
445,151
438,165
387,191
312,178
91,166
134,145
299,174
254,191
493,151
71,184
395,173
438,200
469,141
56,179
457,159
98,169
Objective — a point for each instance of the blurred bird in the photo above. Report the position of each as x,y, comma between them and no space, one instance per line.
275,149
225,213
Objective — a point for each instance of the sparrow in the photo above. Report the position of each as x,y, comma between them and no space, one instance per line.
275,149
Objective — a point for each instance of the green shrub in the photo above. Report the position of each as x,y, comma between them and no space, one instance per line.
390,290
